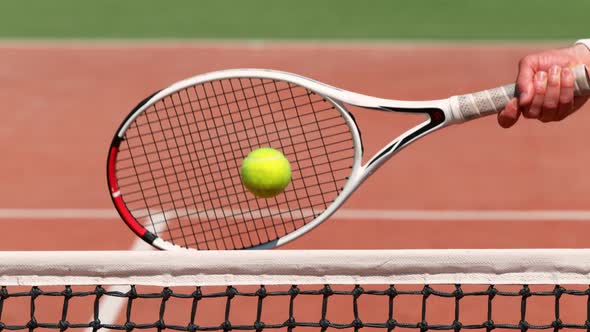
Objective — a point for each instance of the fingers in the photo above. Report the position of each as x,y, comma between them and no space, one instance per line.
552,98
540,88
566,94
552,95
545,86
510,114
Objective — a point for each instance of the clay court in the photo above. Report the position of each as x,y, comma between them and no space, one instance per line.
470,186
63,102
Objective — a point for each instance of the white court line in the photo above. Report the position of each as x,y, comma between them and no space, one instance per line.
350,214
58,213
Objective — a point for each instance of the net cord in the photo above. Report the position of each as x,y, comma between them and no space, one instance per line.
287,267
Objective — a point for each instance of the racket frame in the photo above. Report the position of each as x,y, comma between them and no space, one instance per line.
439,113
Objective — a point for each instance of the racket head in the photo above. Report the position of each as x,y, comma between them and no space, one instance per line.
173,164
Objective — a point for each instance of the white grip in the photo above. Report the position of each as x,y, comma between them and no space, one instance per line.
487,102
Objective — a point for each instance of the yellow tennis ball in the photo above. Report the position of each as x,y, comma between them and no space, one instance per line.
265,172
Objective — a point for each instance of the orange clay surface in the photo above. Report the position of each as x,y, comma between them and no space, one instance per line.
60,106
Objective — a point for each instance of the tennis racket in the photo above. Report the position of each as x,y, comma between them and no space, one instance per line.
173,165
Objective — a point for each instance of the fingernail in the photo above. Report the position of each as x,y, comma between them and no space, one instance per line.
541,76
540,82
567,72
555,73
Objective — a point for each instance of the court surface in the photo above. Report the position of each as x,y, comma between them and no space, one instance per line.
61,104
471,186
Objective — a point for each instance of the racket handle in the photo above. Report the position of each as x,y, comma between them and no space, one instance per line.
487,102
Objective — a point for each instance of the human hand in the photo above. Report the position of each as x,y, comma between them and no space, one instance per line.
546,85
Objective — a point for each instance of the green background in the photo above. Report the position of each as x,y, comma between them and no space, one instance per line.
297,19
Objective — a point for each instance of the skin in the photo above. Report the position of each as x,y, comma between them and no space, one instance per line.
546,85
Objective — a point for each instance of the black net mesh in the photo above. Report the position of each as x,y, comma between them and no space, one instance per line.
303,308
178,167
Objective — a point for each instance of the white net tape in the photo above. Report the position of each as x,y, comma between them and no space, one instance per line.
286,267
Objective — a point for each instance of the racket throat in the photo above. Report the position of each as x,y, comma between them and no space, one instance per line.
436,121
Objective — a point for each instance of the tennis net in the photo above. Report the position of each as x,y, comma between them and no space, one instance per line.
286,290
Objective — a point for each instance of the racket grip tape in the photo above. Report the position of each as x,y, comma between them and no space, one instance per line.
487,102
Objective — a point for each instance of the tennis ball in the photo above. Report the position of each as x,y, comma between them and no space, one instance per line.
265,172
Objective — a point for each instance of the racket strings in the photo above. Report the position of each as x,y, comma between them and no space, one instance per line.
255,226
218,224
219,172
331,171
224,117
172,156
307,132
166,182
140,184
297,159
209,149
268,133
342,168
306,92
186,137
306,142
191,224
216,199
178,166
268,212
265,133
